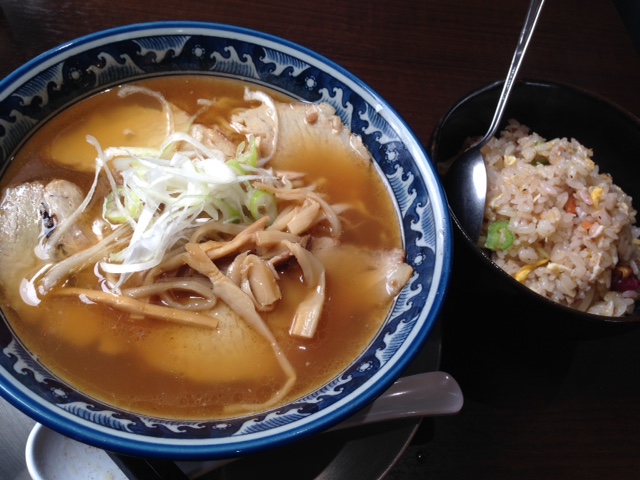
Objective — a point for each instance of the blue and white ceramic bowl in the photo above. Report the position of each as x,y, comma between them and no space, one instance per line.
39,89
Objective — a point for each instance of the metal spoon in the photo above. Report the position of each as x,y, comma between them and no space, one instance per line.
466,180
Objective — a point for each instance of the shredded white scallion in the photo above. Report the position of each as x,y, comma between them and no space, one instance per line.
162,198
172,199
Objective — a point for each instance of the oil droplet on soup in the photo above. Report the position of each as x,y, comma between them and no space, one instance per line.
175,370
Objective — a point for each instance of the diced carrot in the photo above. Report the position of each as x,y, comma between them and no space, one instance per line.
586,225
570,206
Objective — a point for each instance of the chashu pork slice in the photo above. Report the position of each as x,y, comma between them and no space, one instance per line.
28,212
292,128
380,273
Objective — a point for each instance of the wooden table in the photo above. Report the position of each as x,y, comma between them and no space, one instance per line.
537,404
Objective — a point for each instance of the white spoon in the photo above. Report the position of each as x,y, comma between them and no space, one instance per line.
421,395
52,455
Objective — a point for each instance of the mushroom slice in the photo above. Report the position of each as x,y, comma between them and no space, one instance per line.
239,303
307,316
304,218
257,278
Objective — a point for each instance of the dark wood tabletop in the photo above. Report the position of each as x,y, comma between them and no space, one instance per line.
538,404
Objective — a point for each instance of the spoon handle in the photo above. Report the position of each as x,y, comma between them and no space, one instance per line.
420,395
535,7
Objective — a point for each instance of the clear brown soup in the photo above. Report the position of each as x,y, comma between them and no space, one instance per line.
177,371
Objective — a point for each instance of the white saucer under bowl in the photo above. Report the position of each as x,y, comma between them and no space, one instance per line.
52,456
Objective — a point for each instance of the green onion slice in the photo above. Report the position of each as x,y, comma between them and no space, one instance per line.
263,204
499,237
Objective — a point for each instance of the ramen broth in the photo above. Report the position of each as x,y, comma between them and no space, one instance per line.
173,370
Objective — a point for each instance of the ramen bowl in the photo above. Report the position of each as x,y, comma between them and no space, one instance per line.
48,84
554,111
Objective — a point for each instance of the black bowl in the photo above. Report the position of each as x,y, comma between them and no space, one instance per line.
551,110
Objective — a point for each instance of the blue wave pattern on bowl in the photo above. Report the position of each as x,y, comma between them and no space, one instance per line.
98,63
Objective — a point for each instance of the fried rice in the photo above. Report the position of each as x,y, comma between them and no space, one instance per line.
558,225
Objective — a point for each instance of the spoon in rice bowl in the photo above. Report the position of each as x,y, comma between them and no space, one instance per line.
465,181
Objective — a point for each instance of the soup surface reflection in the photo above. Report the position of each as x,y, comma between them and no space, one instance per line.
103,326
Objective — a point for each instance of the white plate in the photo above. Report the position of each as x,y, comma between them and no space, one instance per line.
52,456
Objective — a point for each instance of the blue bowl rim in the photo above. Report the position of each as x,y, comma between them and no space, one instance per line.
19,397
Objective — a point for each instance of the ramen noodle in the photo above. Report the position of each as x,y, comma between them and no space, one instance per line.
190,247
